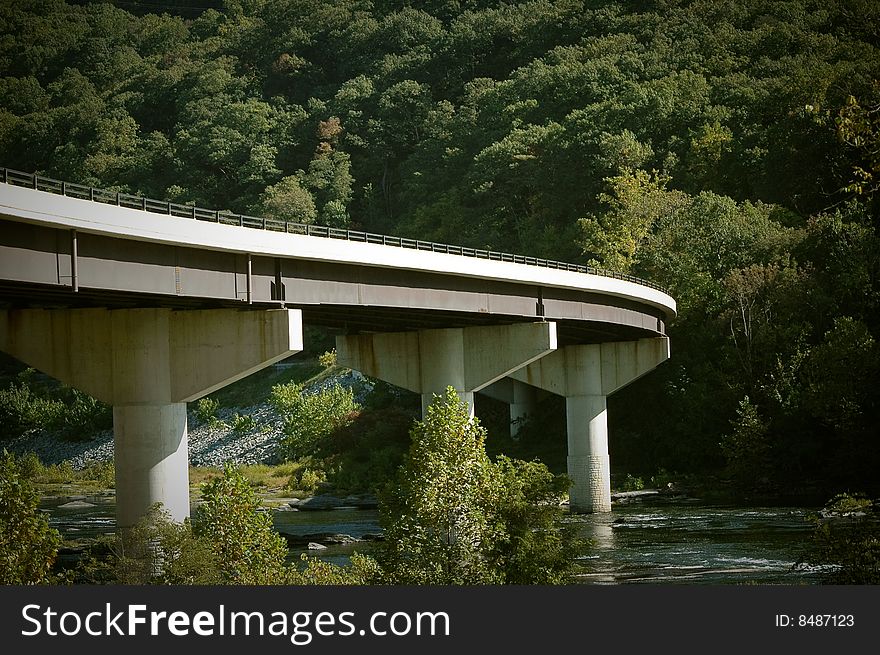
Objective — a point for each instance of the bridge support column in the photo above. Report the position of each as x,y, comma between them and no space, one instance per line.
467,359
148,363
586,375
521,399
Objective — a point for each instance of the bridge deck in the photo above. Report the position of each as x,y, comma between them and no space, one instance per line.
57,250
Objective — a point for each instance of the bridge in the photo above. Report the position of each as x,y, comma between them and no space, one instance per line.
147,305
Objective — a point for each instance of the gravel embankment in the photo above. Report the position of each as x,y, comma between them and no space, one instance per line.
209,444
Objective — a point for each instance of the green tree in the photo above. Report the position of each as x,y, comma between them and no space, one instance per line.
28,546
453,516
747,448
248,549
289,201
437,514
538,546
637,201
158,550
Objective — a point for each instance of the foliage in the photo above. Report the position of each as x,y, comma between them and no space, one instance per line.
309,419
637,200
858,127
453,516
306,480
847,536
328,359
845,503
242,539
28,546
312,571
27,405
227,542
243,423
746,448
538,546
437,514
206,409
21,411
631,483
158,550
365,454
84,416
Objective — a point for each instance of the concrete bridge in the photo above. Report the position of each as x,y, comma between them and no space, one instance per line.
147,305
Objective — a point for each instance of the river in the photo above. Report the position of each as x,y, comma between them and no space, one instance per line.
685,541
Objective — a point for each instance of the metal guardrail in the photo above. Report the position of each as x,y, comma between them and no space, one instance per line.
50,185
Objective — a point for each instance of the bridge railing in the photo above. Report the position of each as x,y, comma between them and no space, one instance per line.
50,185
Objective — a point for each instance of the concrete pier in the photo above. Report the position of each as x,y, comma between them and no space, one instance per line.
147,364
586,375
521,400
467,359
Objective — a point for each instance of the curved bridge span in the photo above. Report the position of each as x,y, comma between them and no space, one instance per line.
139,303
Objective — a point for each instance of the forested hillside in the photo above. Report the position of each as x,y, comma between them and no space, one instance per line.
727,150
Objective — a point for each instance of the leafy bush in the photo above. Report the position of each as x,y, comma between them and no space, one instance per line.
306,479
847,536
60,473
241,424
366,453
28,546
310,419
103,473
74,414
631,483
452,516
21,411
206,409
158,550
362,570
248,549
747,448
328,359
83,416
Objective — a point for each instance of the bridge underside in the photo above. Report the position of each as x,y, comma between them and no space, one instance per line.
348,319
47,267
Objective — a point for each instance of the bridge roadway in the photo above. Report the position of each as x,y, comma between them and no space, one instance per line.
147,305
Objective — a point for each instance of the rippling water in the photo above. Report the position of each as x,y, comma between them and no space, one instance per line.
682,542
692,543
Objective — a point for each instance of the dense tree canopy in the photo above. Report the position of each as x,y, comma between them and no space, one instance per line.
728,150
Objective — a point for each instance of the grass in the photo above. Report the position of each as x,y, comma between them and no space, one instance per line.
299,478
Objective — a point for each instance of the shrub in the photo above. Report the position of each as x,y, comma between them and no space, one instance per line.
21,411
631,483
747,448
310,419
206,409
103,473
28,546
83,416
847,536
538,546
158,550
328,359
452,516
241,424
362,570
248,549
